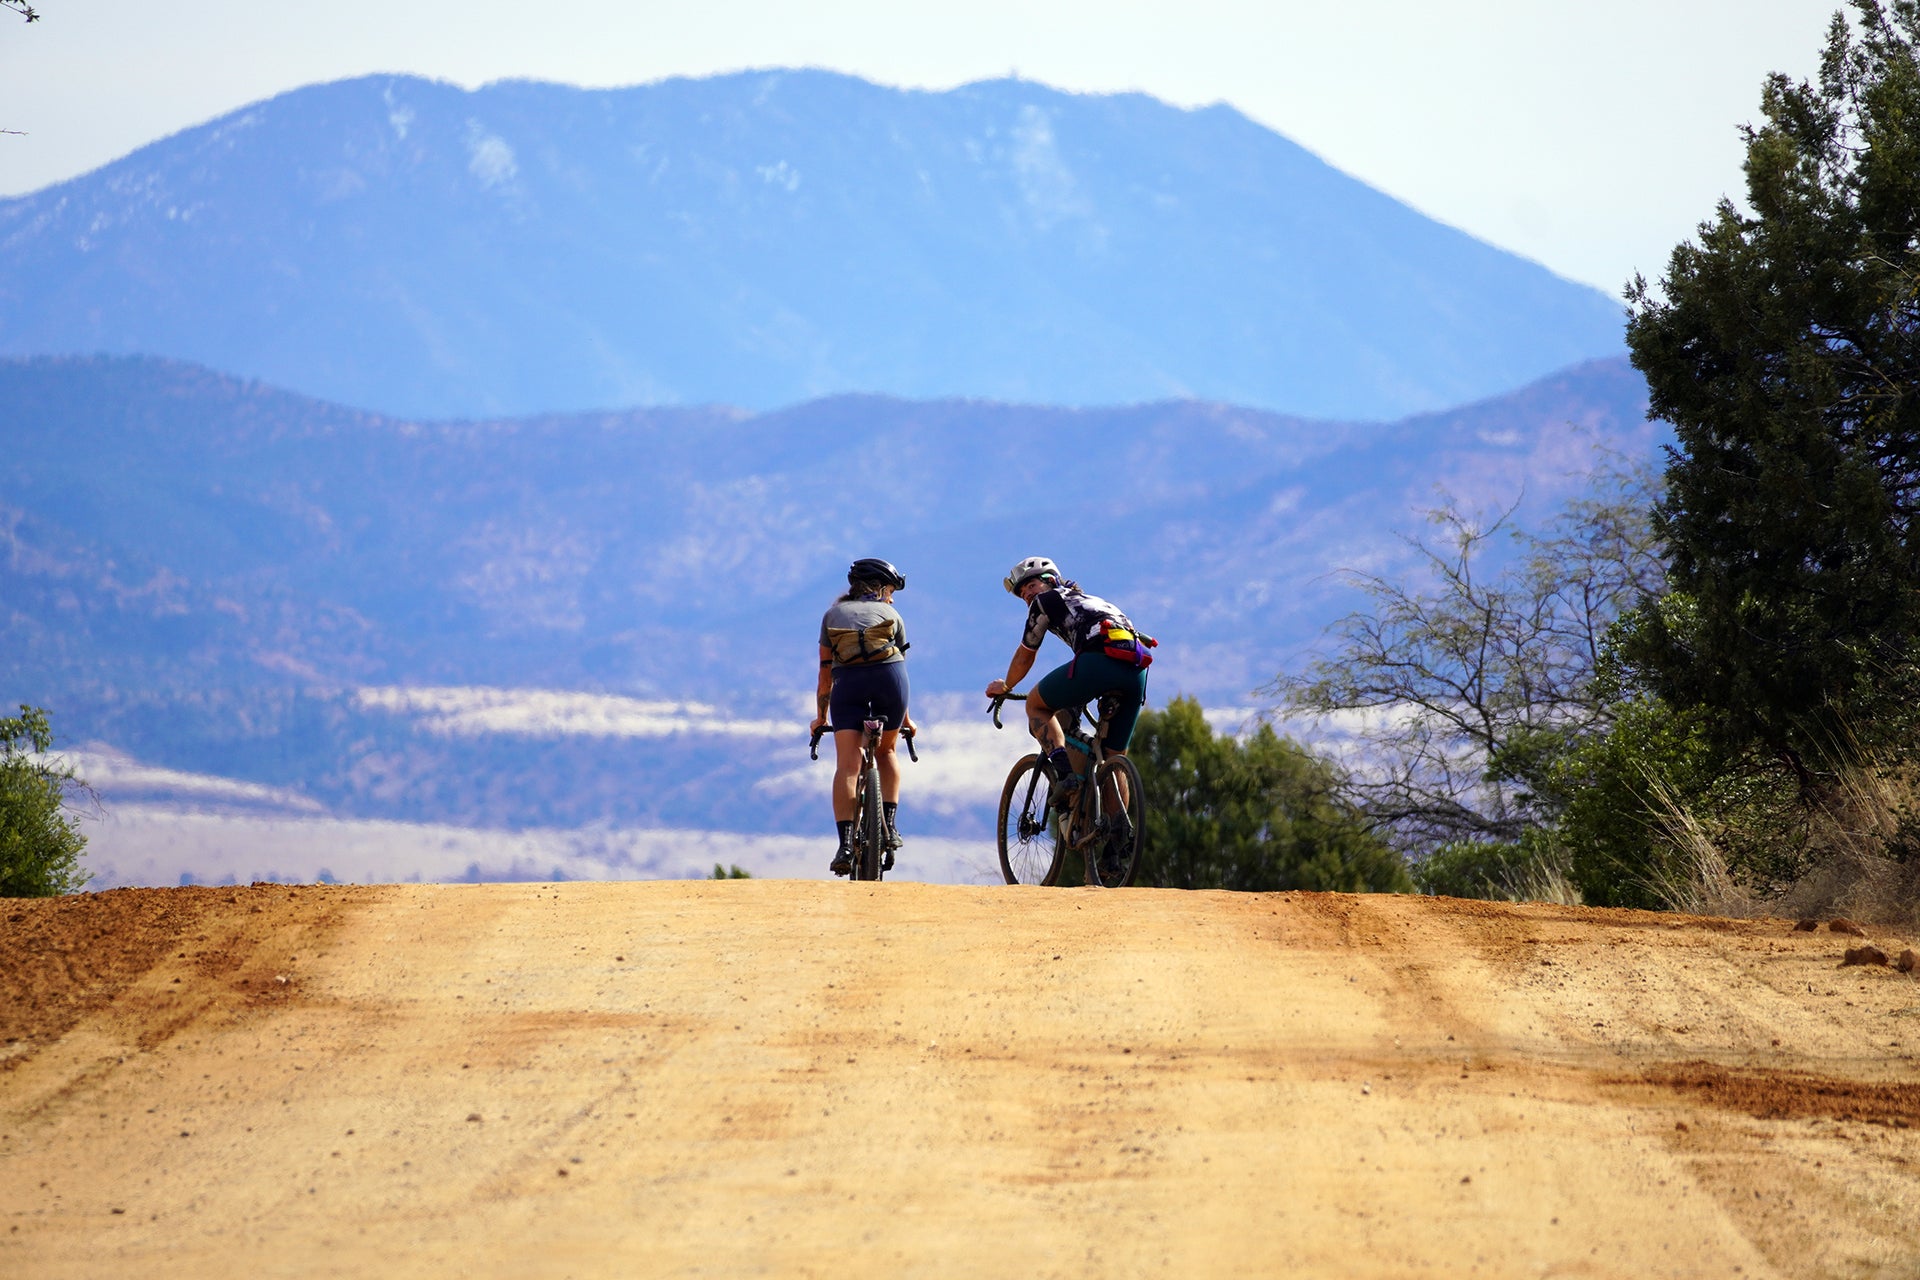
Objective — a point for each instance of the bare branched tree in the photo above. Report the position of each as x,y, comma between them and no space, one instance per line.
1461,686
28,12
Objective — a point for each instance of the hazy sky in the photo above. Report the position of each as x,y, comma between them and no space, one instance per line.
1590,137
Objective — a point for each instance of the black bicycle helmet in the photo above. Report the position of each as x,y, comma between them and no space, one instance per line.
874,569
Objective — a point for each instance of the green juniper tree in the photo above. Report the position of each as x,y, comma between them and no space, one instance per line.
1261,814
1784,347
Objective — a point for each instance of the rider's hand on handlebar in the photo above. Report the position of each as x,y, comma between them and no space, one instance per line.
997,688
819,723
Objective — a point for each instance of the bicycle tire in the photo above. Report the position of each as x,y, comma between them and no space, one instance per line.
1029,837
1115,859
871,828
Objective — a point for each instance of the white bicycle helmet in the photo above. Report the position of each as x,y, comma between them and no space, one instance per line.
1029,569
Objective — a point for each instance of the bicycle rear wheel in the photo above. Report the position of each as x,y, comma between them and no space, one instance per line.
1115,857
1030,846
870,827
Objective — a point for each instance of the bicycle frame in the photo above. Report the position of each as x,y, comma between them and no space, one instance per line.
867,856
1085,827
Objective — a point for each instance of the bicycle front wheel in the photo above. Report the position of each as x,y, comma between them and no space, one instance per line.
1115,857
1030,846
872,829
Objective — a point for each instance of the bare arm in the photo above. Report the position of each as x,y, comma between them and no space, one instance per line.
824,690
1017,668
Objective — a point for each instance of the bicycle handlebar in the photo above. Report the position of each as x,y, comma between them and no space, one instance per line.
813,747
1005,697
1079,708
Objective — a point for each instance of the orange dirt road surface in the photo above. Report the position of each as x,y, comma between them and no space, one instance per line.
796,1078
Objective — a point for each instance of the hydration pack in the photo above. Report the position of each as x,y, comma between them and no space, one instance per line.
858,647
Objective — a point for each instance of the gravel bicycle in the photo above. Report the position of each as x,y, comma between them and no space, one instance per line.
1042,817
871,857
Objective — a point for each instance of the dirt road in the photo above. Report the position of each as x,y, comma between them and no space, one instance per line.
795,1078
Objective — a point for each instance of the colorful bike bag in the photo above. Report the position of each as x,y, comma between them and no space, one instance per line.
1122,645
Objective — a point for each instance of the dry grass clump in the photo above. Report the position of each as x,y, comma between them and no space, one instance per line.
1859,849
1548,881
1696,879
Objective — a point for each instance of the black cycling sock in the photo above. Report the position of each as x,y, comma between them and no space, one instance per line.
846,833
890,808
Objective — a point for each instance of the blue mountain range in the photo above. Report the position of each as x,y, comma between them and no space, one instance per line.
391,451
211,573
767,238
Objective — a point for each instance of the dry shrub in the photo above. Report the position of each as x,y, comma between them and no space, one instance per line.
1858,853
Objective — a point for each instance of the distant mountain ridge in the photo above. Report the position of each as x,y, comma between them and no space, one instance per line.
768,238
219,576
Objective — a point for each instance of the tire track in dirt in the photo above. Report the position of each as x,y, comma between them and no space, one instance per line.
1668,988
134,969
64,958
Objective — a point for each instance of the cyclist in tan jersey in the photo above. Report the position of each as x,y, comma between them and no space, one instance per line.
863,673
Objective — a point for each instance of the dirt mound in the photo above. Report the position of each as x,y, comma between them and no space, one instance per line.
63,958
795,1078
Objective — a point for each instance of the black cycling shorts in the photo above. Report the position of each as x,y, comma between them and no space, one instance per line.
1089,676
879,691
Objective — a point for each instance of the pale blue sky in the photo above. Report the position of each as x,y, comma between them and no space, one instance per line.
1590,137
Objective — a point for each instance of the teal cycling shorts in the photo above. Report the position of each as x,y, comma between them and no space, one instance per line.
1087,677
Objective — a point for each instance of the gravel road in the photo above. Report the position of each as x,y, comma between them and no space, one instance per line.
803,1079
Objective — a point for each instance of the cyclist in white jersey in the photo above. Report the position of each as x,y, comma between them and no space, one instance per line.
1096,630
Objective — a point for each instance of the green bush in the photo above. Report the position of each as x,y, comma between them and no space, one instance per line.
1255,815
1614,824
1643,798
40,844
1529,869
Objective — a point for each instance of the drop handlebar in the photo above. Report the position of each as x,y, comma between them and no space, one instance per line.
813,747
1005,697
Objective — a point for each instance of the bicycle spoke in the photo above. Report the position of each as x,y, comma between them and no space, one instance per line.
1121,832
1030,851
